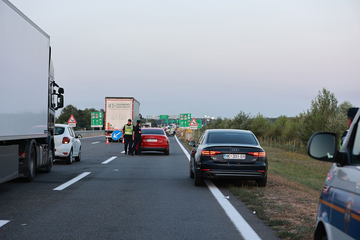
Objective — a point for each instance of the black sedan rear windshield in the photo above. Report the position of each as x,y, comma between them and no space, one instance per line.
152,131
232,137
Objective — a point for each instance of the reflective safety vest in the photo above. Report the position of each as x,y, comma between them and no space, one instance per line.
128,129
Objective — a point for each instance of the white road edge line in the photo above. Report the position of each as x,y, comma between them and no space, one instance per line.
95,142
74,180
109,160
3,222
242,226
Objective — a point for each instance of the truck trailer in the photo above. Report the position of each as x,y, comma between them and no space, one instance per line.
29,96
117,112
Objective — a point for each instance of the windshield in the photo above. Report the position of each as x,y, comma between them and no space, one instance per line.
232,137
152,131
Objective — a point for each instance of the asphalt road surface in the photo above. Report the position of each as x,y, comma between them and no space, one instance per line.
109,195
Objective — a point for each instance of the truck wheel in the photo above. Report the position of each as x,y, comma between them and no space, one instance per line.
69,159
50,161
31,160
78,158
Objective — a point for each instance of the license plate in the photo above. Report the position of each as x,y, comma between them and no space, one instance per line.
152,140
235,156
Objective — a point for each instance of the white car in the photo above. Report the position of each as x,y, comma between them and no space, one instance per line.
67,143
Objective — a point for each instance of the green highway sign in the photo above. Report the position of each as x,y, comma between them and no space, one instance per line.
97,119
185,119
164,117
199,123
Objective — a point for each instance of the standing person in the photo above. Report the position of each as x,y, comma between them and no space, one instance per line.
137,138
127,135
351,114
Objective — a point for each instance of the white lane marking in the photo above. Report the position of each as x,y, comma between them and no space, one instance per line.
3,222
95,142
242,226
109,160
74,180
184,150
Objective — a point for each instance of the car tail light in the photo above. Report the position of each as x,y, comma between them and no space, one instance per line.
65,140
258,154
209,153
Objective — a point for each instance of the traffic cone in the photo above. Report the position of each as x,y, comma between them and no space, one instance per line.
123,141
107,141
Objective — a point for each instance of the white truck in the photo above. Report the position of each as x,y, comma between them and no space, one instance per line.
29,96
117,112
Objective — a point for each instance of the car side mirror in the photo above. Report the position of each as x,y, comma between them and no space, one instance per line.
192,143
322,146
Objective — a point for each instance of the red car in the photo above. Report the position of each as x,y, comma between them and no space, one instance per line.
154,139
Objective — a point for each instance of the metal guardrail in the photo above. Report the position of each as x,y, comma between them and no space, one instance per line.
91,133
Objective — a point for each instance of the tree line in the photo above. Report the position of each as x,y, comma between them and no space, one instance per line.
325,114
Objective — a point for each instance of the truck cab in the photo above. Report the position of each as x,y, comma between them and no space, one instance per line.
339,205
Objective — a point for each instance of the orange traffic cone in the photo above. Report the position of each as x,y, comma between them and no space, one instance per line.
107,141
123,141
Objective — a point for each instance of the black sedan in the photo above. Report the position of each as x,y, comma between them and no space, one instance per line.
228,153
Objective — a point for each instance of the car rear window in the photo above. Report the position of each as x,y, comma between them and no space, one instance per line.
59,130
152,131
231,137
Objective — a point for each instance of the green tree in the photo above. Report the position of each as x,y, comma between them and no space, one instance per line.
276,129
260,126
322,116
65,114
240,120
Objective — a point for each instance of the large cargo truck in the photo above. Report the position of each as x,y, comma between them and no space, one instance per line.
29,96
117,112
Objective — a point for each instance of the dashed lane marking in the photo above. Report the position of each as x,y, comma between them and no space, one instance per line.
109,160
74,180
3,222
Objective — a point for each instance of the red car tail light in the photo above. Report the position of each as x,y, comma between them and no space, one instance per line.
209,153
65,140
258,154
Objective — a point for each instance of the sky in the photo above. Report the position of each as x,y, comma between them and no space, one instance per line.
204,57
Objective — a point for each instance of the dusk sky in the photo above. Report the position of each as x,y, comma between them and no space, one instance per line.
213,58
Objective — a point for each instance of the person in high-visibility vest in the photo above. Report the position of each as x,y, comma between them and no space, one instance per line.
128,136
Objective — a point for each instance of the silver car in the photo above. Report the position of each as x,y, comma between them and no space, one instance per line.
67,143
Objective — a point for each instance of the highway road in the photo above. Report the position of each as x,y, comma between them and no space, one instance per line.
109,195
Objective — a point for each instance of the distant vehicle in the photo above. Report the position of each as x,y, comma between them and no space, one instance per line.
339,206
117,112
67,143
146,125
29,97
154,139
228,153
170,130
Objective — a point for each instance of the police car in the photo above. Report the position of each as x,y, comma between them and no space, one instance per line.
339,205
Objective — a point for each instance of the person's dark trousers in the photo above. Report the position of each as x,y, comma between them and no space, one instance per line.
127,143
137,141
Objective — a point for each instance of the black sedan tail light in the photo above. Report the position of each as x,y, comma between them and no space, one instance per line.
258,154
209,153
